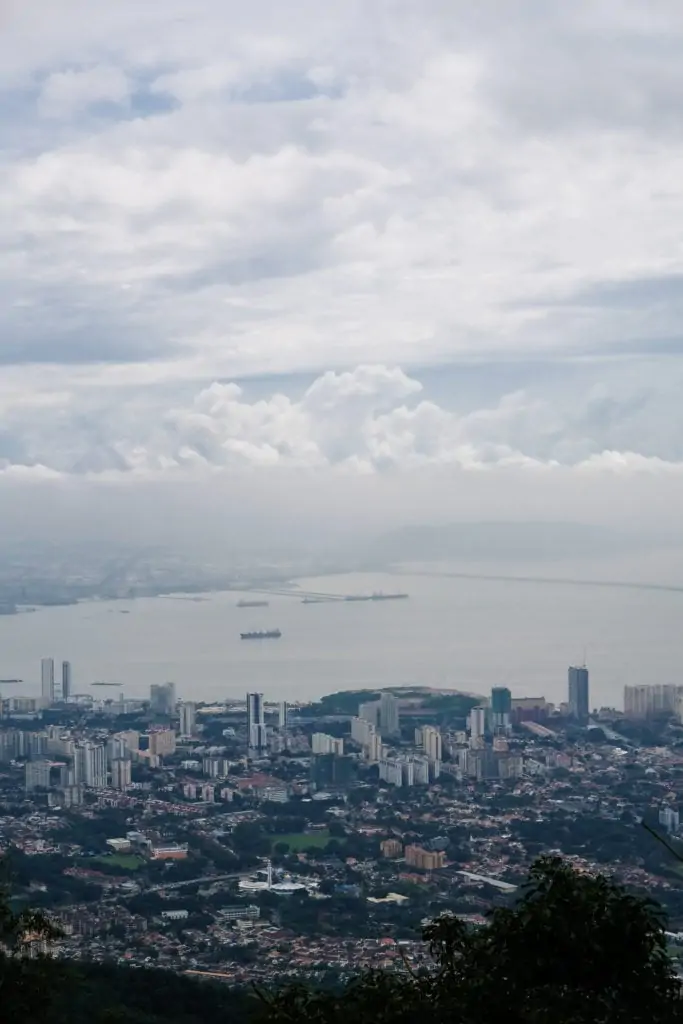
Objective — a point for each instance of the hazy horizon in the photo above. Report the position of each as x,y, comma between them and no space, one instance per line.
297,282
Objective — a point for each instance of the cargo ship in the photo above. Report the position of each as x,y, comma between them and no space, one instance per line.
263,634
256,603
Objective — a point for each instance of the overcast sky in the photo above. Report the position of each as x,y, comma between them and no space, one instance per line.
347,239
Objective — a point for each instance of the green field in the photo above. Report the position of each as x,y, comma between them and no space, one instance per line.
119,860
302,840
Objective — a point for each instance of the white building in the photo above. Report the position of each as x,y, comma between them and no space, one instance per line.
90,764
321,743
668,817
431,742
477,724
121,773
388,715
47,680
391,771
188,719
369,712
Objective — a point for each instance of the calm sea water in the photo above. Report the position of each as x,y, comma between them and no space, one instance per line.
470,634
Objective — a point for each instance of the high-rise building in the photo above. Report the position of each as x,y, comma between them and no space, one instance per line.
501,708
257,735
425,860
47,680
431,741
162,742
577,680
653,701
391,848
90,764
37,775
66,680
283,716
389,715
121,773
668,817
188,719
321,743
162,698
330,771
477,723
369,712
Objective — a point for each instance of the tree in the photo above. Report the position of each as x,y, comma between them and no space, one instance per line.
575,949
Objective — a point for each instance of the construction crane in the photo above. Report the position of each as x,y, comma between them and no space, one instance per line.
105,684
7,682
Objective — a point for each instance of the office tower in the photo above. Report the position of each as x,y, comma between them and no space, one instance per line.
321,743
501,708
162,742
188,719
37,775
369,712
257,736
431,741
90,764
577,679
282,715
330,771
121,773
66,680
162,698
47,680
388,715
477,724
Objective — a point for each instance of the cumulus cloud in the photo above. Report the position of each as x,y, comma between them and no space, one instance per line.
198,193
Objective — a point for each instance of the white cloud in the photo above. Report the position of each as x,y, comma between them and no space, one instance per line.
209,191
70,92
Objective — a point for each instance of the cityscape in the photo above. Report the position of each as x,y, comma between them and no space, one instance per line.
247,838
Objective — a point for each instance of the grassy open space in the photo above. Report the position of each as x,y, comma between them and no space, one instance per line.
129,861
302,840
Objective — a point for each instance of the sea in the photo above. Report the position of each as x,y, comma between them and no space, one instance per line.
451,632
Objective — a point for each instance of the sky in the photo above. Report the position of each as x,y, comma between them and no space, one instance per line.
405,259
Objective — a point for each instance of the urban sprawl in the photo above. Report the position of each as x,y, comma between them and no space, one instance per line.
249,839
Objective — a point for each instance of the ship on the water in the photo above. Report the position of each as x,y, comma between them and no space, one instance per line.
262,634
256,603
376,596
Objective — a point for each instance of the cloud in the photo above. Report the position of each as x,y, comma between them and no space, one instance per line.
193,194
70,92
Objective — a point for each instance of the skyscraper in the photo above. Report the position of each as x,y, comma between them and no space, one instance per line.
47,680
162,698
90,764
66,680
37,775
477,725
431,741
577,679
282,715
388,715
257,736
188,719
501,706
121,771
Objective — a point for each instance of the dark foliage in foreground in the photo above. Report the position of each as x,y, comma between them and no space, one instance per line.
574,949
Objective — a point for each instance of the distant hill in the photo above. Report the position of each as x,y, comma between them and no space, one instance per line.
495,542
